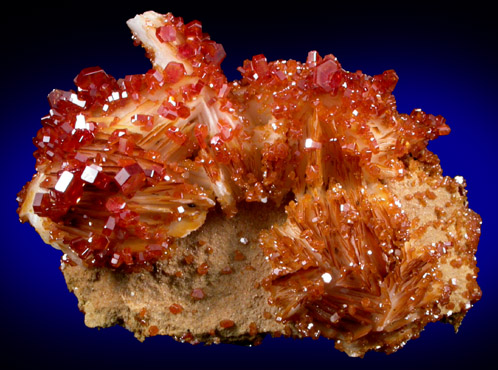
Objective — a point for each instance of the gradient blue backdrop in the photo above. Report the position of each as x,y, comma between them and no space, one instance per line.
446,62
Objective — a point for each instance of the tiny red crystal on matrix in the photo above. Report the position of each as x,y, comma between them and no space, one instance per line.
197,294
225,324
175,308
203,269
153,330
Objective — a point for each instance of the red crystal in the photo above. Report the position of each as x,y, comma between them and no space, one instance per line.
126,145
51,205
385,82
90,173
92,249
213,52
78,138
443,129
103,181
176,135
324,73
221,153
41,203
153,330
197,294
132,84
166,33
201,133
175,308
69,187
127,256
190,91
225,324
182,110
123,142
65,101
80,157
115,204
193,29
260,66
140,258
66,128
154,79
143,120
116,260
172,111
116,135
313,58
154,251
95,86
173,72
168,110
130,178
80,246
91,78
109,225
98,242
188,50
127,218
226,130
203,269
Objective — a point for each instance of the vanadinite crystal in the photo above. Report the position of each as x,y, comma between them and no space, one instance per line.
125,167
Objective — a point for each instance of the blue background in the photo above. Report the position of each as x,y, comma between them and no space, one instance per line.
445,58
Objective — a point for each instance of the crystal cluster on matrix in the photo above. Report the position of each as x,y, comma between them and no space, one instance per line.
130,165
